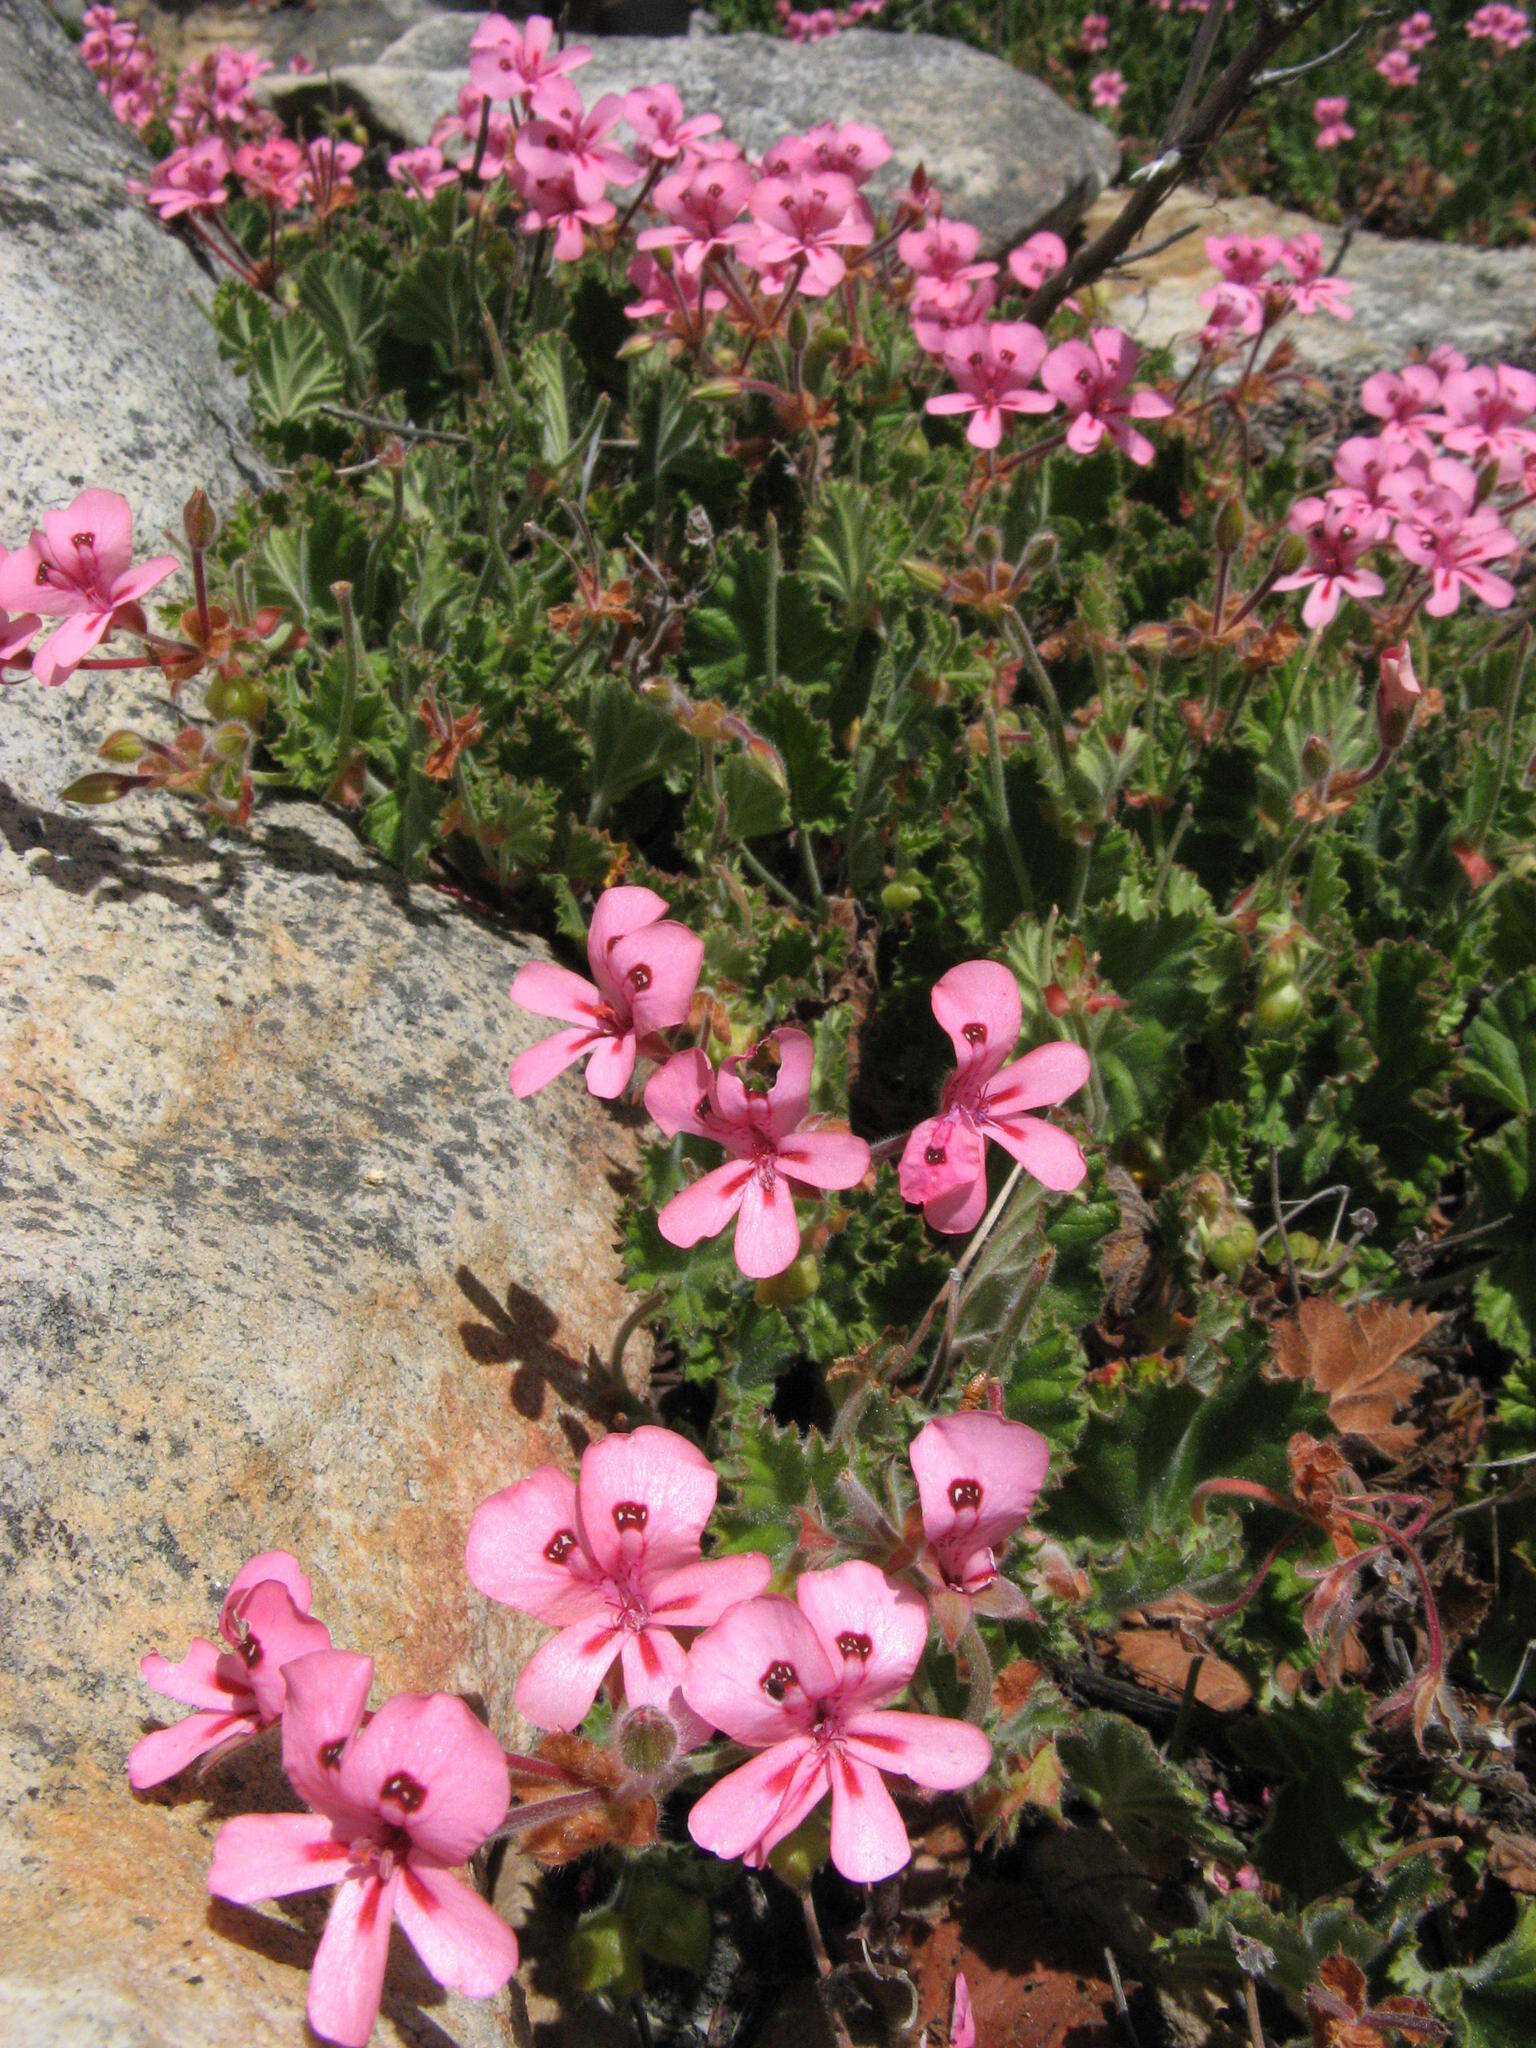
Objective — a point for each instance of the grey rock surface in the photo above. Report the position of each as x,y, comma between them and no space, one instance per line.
282,1263
1002,148
108,370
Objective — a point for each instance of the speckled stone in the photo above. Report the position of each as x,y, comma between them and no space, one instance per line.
282,1262
1002,148
108,370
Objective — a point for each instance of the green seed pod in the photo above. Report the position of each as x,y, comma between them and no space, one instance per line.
1231,524
799,1856
601,1956
797,1283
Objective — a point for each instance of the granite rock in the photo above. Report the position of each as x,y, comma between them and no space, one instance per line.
1002,148
282,1263
108,369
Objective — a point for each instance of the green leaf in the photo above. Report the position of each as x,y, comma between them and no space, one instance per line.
727,636
347,300
293,373
1323,1822
1495,1997
1498,1061
1148,1802
632,743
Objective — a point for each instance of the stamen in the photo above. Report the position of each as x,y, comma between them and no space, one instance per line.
777,1680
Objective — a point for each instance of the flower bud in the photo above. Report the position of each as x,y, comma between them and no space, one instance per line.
798,328
799,1856
1231,524
646,1741
1040,553
1316,756
1290,554
796,1284
1397,696
199,521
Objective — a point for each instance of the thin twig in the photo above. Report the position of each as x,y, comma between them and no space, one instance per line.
1285,1236
406,430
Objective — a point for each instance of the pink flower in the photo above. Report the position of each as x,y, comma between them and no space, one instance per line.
507,63
1416,31
978,1475
79,568
1231,310
1037,259
1337,536
803,221
772,1148
274,172
962,2023
941,308
1445,357
669,295
1398,68
1455,551
1244,259
614,1562
805,1681
854,151
566,141
1489,415
1507,28
662,134
421,171
944,1164
1366,462
191,180
1407,399
1092,380
397,1800
266,1622
1314,291
994,363
1332,128
645,967
1106,89
702,209
944,250
1093,34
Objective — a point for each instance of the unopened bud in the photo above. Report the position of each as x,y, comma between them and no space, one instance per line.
926,575
1487,483
1290,554
1231,524
697,530
1040,553
199,521
798,328
646,1742
1397,696
1316,756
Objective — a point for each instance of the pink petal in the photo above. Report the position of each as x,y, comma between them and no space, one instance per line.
856,1604
197,1681
1055,1160
824,1159
19,589
449,1755
978,1476
979,1007
105,516
962,2024
762,1802
674,1092
560,1680
929,1749
541,1063
508,1555
346,1980
698,1594
767,1229
326,1695
869,1841
959,1209
611,1064
790,1096
654,1662
723,1680
551,991
643,1498
942,1157
55,659
167,1751
270,1855
1047,1075
463,1941
139,582
277,1633
659,968
706,1208
618,912
278,1567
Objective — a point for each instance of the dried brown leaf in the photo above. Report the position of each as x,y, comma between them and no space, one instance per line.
1361,1359
1162,1661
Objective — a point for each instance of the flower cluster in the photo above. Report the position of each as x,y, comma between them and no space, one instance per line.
399,1797
1329,114
1453,458
756,1105
1506,28
815,27
1263,277
124,66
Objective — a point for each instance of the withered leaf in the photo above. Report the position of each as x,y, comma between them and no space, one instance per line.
1361,1359
1160,1660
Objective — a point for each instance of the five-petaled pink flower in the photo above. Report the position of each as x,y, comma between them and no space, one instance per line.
1332,128
944,1164
994,363
1037,259
1489,414
191,180
806,1681
755,1105
1338,535
1398,68
662,132
978,1475
266,1622
803,222
79,568
701,208
397,1801
1314,290
1406,399
1106,88
1092,380
507,63
645,967
614,1561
